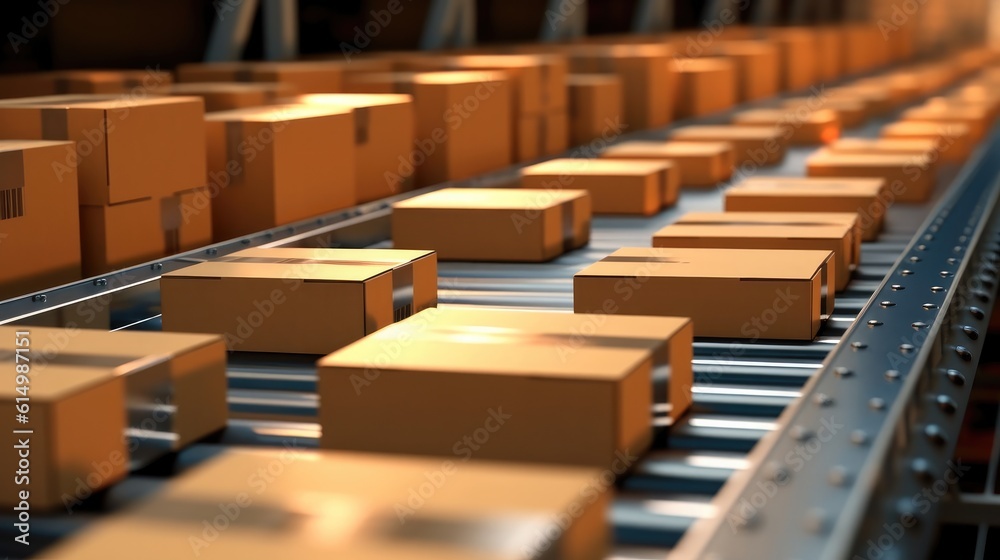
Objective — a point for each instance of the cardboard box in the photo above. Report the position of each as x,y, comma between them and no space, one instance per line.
301,306
704,86
384,140
571,397
829,53
731,293
541,135
851,112
496,224
878,99
761,145
595,107
972,117
126,149
953,140
758,67
187,221
414,273
225,96
806,127
463,121
865,197
839,233
702,164
555,138
363,507
39,218
523,71
270,166
899,146
910,177
798,51
313,76
615,186
36,84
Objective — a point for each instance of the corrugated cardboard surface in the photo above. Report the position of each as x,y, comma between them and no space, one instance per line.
702,164
758,67
762,145
953,138
800,126
910,177
225,96
615,186
704,85
595,106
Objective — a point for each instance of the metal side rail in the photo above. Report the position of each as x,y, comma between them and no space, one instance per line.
847,463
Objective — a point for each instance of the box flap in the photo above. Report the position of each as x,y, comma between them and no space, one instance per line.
310,272
731,264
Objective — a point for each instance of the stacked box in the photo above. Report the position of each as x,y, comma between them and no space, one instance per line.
595,107
758,67
225,96
704,86
314,76
138,82
798,51
615,186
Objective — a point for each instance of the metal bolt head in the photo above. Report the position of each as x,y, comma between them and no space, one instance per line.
955,377
935,434
905,272
918,325
837,476
977,313
876,403
922,469
964,353
886,303
892,375
907,348
946,404
815,520
929,306
937,289
897,287
801,433
970,332
858,345
874,323
822,399
101,282
842,371
859,437
39,298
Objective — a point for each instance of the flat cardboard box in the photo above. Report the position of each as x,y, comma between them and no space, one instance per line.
911,177
39,218
226,96
797,47
362,507
37,84
972,117
953,140
865,197
595,107
758,67
473,224
524,72
464,120
901,146
839,233
851,112
271,166
761,145
615,186
807,126
384,139
303,306
313,76
878,99
702,164
174,383
571,397
414,273
829,53
731,293
704,86
126,148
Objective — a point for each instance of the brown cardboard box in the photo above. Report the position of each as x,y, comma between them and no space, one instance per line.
704,86
800,127
314,76
972,117
989,107
851,112
185,373
865,197
304,306
829,53
39,218
732,293
271,166
225,96
839,233
762,145
126,149
702,164
495,224
564,396
878,99
797,47
901,87
864,48
911,177
60,82
385,132
414,273
362,507
615,186
900,146
595,107
555,139
953,140
463,120
187,221
524,72
541,135
758,67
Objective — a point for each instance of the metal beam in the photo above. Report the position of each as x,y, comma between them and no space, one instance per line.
281,29
652,16
564,20
231,30
450,23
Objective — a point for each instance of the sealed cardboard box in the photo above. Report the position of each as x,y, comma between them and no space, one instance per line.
762,145
578,398
363,507
541,135
555,133
972,117
910,177
38,84
902,146
615,186
495,224
731,293
801,126
174,383
839,233
414,273
300,306
39,218
878,99
126,148
829,49
758,67
225,96
851,112
187,221
704,86
463,121
270,166
384,139
702,164
954,142
797,47
524,72
865,197
313,76
595,107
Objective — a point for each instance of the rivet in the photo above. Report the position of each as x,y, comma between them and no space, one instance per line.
963,353
269,235
907,348
971,332
874,323
977,313
914,259
319,221
935,434
957,248
776,472
934,228
945,273
921,247
928,237
822,399
156,266
837,476
951,260
886,303
897,287
981,296
922,469
946,404
929,306
963,238
892,374
843,372
212,251
101,282
859,345
39,298
955,377
906,272
918,324
859,437
815,520
937,289
245,241
801,433
876,403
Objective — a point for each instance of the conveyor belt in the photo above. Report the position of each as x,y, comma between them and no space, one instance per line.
740,388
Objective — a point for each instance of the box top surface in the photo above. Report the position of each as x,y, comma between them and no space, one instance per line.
21,145
839,221
491,199
93,342
600,167
834,103
195,88
704,65
458,77
593,80
732,264
669,149
95,101
807,186
308,271
940,111
725,132
352,99
55,382
277,113
914,145
381,256
783,116
926,128
743,46
829,157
